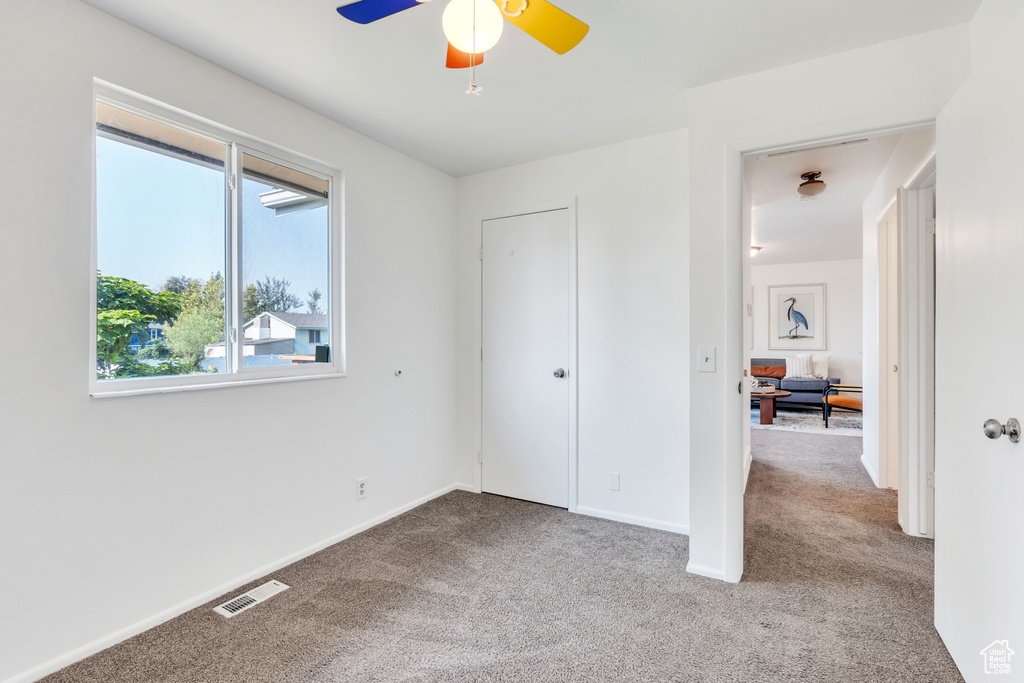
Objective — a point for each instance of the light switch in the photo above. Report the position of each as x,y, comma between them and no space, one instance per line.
706,359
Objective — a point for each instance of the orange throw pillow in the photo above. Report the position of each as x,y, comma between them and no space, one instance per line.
771,371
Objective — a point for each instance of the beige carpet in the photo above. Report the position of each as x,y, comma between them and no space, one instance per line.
481,588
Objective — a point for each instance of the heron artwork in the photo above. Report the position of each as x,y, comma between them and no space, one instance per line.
796,317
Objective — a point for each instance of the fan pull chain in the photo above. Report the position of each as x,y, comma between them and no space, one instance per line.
474,89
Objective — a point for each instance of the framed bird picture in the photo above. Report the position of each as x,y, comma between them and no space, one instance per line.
796,317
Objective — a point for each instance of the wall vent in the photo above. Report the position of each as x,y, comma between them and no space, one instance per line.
247,600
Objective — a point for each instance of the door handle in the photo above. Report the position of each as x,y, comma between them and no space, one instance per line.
560,373
994,430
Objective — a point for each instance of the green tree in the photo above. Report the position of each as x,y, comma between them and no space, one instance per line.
114,332
313,302
179,284
155,350
191,332
250,303
122,294
200,322
268,294
124,309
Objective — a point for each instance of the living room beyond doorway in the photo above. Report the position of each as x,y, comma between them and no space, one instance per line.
839,289
803,213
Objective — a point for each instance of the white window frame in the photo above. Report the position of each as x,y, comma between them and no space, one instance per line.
237,144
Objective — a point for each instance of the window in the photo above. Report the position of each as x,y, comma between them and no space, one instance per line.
213,251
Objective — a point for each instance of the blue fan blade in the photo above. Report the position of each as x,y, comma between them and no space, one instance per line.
366,11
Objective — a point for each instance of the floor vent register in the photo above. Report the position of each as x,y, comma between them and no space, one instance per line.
249,599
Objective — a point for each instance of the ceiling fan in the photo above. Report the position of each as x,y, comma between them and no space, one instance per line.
474,26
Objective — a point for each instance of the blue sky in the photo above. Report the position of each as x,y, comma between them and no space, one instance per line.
160,216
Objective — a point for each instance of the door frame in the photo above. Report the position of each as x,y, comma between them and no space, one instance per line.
916,459
569,205
910,424
740,150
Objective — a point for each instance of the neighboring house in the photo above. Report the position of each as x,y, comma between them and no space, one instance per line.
255,347
307,329
273,334
154,331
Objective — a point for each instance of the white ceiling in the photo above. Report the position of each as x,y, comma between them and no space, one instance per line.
828,228
625,80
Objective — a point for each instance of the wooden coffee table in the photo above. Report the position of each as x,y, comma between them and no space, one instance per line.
768,408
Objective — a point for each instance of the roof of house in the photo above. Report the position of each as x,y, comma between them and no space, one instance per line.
312,321
255,342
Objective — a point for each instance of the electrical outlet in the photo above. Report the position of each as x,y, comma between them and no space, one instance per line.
360,489
613,481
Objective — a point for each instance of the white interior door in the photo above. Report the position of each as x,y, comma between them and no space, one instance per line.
979,483
893,353
525,343
889,341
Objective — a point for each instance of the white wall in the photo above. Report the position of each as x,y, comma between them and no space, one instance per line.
842,310
115,511
890,84
633,330
912,152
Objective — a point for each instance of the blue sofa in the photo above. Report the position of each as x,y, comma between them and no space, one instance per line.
807,392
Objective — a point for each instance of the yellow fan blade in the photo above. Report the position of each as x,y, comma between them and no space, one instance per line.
555,28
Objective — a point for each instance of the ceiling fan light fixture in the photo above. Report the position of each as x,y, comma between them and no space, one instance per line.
812,186
472,26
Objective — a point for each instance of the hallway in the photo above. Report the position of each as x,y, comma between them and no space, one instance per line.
855,592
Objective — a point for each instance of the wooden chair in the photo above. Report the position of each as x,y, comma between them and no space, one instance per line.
831,398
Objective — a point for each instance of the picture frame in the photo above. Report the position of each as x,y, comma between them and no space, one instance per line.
796,317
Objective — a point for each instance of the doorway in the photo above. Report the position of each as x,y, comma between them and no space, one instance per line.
528,356
894,229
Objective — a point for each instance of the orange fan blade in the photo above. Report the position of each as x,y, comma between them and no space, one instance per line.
555,28
457,59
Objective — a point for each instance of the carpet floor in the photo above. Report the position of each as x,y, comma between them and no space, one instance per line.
482,588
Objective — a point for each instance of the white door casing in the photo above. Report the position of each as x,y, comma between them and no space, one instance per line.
527,334
916,360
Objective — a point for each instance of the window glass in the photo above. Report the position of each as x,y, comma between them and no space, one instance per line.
285,230
160,246
213,255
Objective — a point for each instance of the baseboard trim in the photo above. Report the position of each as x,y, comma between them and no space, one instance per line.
719,574
747,458
867,466
78,654
701,570
633,519
466,487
